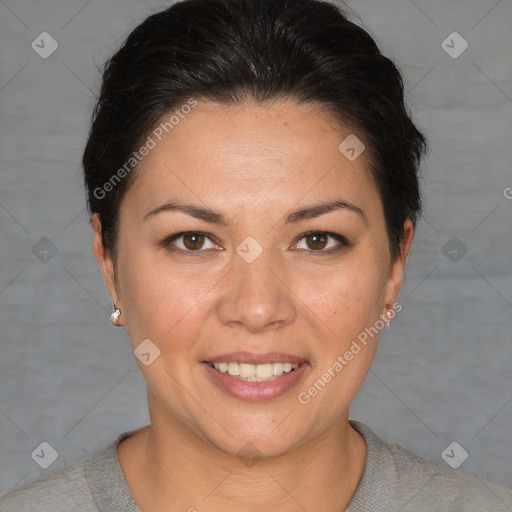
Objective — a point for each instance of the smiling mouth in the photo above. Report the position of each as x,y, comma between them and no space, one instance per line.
254,372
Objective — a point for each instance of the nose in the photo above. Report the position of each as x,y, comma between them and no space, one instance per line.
256,296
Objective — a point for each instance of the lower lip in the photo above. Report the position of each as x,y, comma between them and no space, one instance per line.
257,391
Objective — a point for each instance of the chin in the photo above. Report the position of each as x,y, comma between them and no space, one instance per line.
254,435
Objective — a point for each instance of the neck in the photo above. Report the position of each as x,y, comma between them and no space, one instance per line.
166,464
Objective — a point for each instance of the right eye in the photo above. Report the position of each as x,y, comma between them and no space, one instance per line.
190,242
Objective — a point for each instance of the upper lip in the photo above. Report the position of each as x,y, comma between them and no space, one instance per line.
251,358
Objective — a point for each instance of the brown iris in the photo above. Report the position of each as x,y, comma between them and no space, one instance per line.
318,241
193,241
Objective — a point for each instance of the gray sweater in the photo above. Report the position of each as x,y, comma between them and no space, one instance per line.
394,479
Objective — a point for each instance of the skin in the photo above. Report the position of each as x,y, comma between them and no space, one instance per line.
254,164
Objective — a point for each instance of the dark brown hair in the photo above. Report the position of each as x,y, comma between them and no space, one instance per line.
229,51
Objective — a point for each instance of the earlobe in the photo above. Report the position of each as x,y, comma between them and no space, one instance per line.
397,269
104,260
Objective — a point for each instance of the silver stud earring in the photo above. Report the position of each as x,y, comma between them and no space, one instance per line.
389,314
114,316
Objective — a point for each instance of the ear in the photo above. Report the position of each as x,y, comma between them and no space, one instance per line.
397,268
105,262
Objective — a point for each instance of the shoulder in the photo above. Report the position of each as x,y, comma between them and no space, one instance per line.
88,485
440,485
415,483
63,490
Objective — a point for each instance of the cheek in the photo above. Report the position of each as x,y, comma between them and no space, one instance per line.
161,303
347,299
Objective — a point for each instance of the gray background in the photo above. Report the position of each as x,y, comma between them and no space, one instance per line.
442,373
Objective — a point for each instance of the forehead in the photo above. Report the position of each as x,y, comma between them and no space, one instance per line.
232,155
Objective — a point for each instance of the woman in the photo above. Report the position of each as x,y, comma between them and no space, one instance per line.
252,175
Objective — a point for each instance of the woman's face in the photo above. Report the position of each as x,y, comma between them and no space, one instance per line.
247,283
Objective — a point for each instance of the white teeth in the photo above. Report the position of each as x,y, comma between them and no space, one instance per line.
247,370
264,371
255,372
278,368
232,368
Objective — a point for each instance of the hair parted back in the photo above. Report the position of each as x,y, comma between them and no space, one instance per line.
232,51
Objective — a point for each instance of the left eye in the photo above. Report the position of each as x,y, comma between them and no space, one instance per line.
318,241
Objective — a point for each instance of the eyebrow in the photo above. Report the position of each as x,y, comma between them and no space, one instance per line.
212,217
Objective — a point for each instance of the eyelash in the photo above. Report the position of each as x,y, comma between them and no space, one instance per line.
339,238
